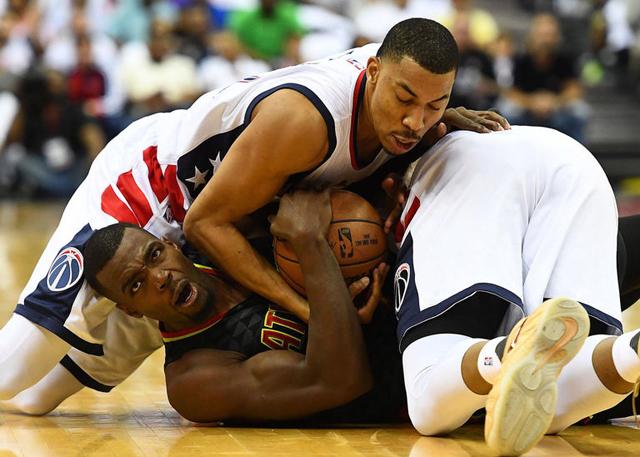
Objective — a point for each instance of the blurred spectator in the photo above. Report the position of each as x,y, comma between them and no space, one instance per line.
546,90
192,31
503,51
56,15
475,86
327,33
228,63
62,55
86,84
483,28
267,31
611,36
154,77
16,53
130,21
374,18
222,9
51,143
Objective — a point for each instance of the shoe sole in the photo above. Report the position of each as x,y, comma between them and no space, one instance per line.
522,402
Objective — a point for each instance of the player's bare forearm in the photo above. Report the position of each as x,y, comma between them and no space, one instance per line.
335,346
225,245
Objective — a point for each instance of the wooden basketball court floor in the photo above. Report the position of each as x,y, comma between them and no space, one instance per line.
136,420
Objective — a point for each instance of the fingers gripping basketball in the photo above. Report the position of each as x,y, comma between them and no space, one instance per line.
355,235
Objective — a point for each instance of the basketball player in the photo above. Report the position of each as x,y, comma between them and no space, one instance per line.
487,238
325,122
218,336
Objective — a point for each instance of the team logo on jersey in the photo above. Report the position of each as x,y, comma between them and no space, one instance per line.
401,284
66,270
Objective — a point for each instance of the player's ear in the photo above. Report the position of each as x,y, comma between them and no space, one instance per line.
373,69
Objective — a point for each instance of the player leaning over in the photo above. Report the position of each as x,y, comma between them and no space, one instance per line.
328,122
495,225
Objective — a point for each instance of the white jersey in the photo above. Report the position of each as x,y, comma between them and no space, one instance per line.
175,154
150,174
524,215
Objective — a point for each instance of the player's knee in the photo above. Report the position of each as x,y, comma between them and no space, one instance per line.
428,419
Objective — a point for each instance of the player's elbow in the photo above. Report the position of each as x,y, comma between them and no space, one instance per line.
192,226
350,386
192,411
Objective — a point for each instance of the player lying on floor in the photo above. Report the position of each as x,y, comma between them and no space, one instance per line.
495,224
218,336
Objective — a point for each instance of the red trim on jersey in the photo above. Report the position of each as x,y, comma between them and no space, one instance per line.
403,224
354,121
135,197
163,185
176,199
155,172
187,331
116,208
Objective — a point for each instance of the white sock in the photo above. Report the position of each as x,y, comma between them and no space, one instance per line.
438,399
580,391
625,358
489,361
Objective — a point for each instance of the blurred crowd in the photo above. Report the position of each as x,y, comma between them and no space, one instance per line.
74,73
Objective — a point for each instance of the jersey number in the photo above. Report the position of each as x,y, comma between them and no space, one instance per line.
281,332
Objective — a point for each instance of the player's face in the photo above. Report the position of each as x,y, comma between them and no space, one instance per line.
406,100
152,277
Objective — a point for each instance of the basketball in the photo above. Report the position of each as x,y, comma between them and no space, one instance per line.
356,236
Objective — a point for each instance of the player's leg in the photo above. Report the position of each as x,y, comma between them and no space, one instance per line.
27,353
570,250
449,363
601,376
439,398
128,342
457,287
56,309
629,259
45,396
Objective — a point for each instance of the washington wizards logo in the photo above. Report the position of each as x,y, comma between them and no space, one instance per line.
401,284
66,270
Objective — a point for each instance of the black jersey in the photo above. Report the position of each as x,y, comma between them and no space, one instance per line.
255,326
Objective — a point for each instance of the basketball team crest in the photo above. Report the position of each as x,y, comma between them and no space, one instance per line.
401,284
66,270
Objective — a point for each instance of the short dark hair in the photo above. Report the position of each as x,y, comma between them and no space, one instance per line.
427,42
100,248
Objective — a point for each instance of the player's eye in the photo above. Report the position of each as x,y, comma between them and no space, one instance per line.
155,253
403,101
136,286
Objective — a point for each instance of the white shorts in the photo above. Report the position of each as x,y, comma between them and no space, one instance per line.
129,341
117,189
525,214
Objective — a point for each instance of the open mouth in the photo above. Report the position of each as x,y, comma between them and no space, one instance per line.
404,143
186,294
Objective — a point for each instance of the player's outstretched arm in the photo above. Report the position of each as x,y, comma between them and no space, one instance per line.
287,135
209,385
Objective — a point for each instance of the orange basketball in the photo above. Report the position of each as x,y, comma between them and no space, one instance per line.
356,236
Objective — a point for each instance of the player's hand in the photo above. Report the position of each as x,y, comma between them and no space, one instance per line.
462,118
366,312
301,215
396,193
